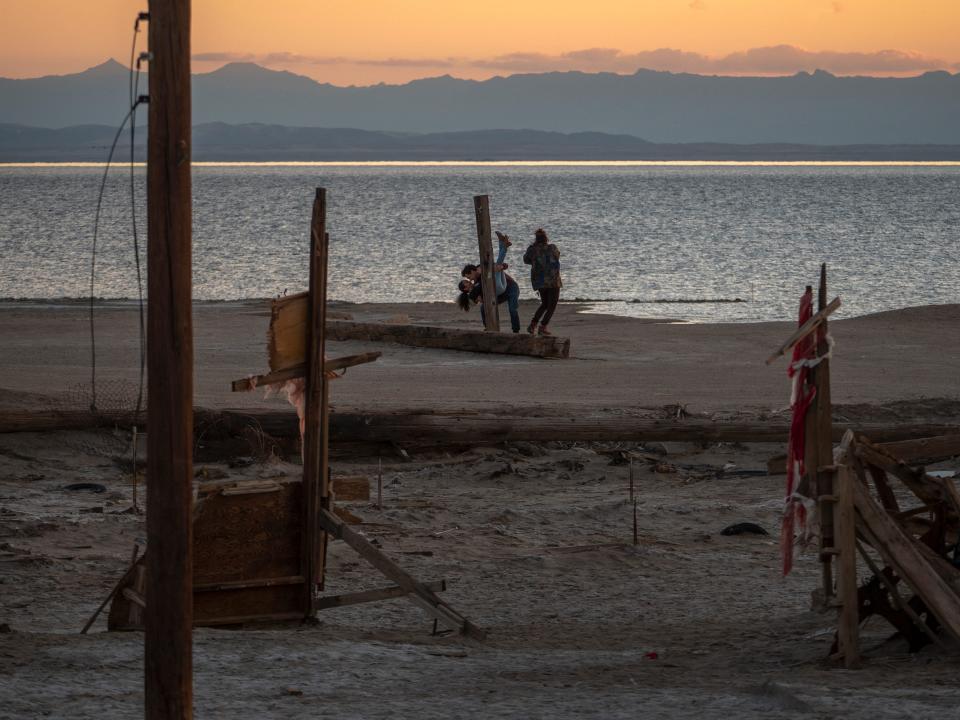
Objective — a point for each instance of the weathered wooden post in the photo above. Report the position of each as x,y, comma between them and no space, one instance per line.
481,205
168,616
316,488
818,457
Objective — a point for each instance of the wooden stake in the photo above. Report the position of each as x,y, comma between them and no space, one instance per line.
315,482
636,537
481,206
136,508
379,483
168,661
848,624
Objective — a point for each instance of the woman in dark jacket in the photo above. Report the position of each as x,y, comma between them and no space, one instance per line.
543,257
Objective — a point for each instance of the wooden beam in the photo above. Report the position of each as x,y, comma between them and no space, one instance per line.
443,338
808,327
845,540
419,593
168,651
901,553
926,488
481,207
454,428
298,371
927,450
365,596
315,437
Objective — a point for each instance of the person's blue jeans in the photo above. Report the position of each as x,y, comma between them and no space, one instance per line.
512,298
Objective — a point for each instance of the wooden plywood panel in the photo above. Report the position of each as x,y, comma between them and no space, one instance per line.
287,338
247,531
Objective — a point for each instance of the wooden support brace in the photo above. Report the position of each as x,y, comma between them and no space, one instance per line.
419,593
332,601
299,371
808,327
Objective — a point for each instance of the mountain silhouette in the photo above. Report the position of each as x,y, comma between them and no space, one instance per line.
662,107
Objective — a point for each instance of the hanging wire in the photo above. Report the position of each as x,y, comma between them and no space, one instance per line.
134,103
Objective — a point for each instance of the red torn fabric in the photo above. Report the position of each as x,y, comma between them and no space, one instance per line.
795,510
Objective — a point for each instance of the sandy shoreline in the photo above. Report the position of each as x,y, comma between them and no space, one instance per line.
534,539
616,363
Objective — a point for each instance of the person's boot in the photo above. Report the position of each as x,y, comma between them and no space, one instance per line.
544,331
532,328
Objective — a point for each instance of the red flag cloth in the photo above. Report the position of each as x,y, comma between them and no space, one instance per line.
795,509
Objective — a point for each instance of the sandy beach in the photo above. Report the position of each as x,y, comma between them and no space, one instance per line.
534,539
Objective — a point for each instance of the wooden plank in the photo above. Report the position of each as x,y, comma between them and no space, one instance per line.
926,450
443,338
168,650
315,407
351,488
244,584
420,594
845,539
298,371
481,207
926,488
221,607
902,554
365,596
808,327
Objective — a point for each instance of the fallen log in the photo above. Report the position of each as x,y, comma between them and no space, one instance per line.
287,336
430,336
465,429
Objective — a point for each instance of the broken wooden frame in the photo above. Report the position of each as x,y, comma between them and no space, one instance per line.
260,547
913,582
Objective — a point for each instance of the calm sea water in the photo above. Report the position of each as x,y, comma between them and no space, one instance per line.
638,237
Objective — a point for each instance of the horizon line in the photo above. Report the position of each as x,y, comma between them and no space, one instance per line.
510,163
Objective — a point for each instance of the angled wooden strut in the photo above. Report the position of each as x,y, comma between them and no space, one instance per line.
808,327
419,593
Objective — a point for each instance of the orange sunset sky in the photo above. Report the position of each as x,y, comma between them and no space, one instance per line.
368,41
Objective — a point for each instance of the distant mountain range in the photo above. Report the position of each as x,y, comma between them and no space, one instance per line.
661,107
257,142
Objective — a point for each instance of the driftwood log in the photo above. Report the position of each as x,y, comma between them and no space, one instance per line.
430,336
452,429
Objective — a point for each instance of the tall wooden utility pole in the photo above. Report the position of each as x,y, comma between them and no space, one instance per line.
316,481
481,206
168,616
